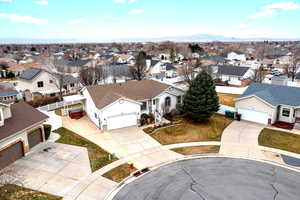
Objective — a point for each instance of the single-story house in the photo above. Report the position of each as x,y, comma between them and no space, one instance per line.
233,75
268,104
21,128
120,105
236,55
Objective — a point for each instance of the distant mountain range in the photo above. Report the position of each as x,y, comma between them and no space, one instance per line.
192,38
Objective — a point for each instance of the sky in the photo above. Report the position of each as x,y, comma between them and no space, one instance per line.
116,19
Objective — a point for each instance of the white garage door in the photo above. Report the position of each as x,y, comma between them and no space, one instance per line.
121,121
254,116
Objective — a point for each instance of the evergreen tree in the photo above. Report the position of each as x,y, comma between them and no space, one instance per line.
201,100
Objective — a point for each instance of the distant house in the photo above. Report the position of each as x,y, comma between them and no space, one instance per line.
18,69
74,65
120,105
125,59
39,81
171,71
268,104
233,75
237,55
155,67
21,129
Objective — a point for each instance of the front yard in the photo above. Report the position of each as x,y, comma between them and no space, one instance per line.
14,192
227,99
197,150
98,157
279,140
187,131
119,173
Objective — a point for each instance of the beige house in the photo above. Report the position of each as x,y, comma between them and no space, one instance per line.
18,132
269,104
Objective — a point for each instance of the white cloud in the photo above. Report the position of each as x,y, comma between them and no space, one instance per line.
42,3
124,1
273,9
23,19
136,11
79,21
5,1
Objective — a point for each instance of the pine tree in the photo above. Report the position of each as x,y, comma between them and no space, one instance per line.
201,100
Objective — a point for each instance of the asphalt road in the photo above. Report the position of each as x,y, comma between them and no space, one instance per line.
215,179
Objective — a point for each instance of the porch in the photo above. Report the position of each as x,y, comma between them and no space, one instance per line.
287,117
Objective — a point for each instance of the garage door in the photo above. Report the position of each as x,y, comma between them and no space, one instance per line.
254,116
35,138
121,121
11,154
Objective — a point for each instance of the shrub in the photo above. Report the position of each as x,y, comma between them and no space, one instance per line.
47,129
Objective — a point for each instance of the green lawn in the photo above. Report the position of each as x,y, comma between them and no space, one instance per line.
119,173
279,140
14,192
98,157
188,131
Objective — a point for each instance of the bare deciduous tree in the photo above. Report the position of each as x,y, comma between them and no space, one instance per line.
91,76
294,66
138,70
188,71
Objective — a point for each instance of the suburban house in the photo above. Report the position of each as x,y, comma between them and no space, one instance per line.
8,95
120,105
18,132
39,81
237,55
74,65
155,67
232,75
269,104
18,69
125,59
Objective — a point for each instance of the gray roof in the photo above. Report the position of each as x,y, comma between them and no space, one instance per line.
154,62
274,94
8,93
169,66
232,70
298,76
30,73
78,63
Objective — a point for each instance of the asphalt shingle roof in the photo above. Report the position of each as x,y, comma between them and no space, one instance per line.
232,70
30,73
274,94
8,93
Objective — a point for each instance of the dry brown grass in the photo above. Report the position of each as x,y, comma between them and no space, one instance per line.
119,173
197,150
227,99
189,131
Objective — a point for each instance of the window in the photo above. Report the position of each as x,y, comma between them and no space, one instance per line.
179,99
168,101
96,116
50,81
144,105
286,112
72,85
40,84
153,102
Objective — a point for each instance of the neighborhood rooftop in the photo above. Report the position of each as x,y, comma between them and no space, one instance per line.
104,95
274,94
20,120
232,70
30,73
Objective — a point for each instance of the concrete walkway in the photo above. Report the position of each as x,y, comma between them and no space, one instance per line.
122,142
240,138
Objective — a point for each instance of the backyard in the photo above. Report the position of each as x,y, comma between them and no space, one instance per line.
98,157
279,140
13,192
189,131
227,99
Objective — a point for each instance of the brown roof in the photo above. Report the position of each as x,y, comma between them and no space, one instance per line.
23,116
104,95
20,67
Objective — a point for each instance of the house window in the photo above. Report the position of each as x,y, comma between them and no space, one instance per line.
144,105
50,81
96,116
72,85
179,98
168,101
286,112
40,84
153,102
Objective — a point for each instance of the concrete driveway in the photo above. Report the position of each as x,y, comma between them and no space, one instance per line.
122,142
240,138
52,168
